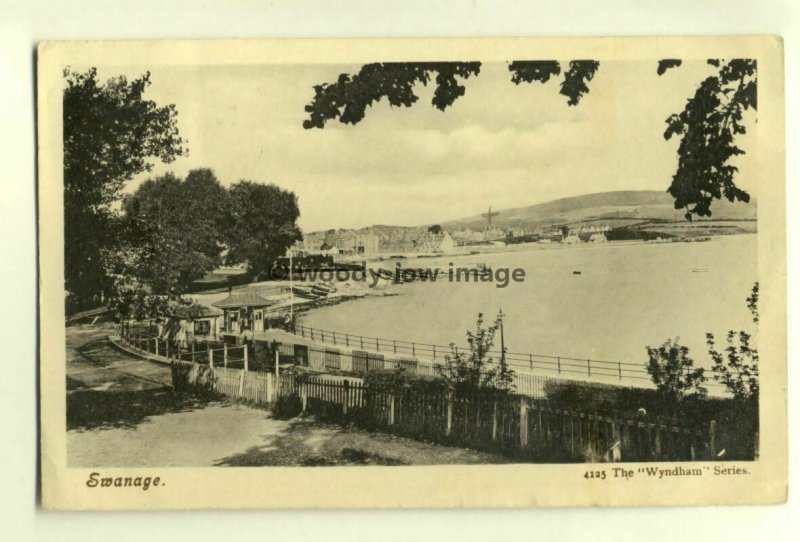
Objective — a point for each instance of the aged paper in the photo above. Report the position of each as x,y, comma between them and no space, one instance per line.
412,273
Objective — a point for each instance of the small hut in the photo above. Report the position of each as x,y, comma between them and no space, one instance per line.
193,323
244,313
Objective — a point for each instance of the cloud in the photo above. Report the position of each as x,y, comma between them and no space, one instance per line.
500,143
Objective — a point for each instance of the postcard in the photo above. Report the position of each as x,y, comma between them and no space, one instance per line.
412,273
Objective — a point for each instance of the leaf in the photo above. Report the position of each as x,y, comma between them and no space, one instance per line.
580,72
667,63
528,71
348,98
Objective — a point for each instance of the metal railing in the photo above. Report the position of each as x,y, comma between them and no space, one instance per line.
565,367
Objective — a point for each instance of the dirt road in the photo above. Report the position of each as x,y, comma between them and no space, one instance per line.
122,412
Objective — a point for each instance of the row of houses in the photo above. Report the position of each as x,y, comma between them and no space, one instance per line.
383,240
368,242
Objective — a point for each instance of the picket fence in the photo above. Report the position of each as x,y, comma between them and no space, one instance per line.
515,425
252,386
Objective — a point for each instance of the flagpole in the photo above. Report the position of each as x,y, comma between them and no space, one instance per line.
291,290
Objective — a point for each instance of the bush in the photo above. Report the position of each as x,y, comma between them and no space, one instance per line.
395,380
626,402
287,407
193,378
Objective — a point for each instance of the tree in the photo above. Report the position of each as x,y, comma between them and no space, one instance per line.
707,129
476,368
435,229
737,366
261,225
174,231
110,134
673,372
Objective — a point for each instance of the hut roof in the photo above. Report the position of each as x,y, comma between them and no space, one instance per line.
197,311
243,300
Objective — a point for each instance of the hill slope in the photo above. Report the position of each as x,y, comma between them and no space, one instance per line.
627,204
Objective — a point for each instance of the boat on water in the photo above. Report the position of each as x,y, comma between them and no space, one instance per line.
323,288
305,293
577,272
330,288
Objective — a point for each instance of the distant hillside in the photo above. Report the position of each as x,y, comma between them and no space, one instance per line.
627,204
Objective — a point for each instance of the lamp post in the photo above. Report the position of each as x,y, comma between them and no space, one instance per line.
291,290
501,316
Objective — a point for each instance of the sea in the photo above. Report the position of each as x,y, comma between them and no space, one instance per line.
606,302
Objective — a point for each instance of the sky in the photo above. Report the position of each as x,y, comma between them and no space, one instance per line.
500,144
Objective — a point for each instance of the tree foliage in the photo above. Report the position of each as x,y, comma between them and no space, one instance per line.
667,63
574,86
261,225
348,98
737,366
476,368
110,133
673,372
707,129
528,71
175,230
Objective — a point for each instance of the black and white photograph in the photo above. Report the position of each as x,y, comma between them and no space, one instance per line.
542,260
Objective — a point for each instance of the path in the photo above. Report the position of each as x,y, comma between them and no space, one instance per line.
122,412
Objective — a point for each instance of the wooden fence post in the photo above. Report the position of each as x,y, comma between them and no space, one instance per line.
571,432
246,364
211,357
391,409
225,355
523,423
346,397
449,424
166,347
241,383
192,350
304,394
277,369
658,442
616,456
156,345
712,439
494,420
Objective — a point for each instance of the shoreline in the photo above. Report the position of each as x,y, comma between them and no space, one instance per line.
347,291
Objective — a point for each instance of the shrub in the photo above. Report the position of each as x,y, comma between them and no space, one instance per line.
625,402
673,372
